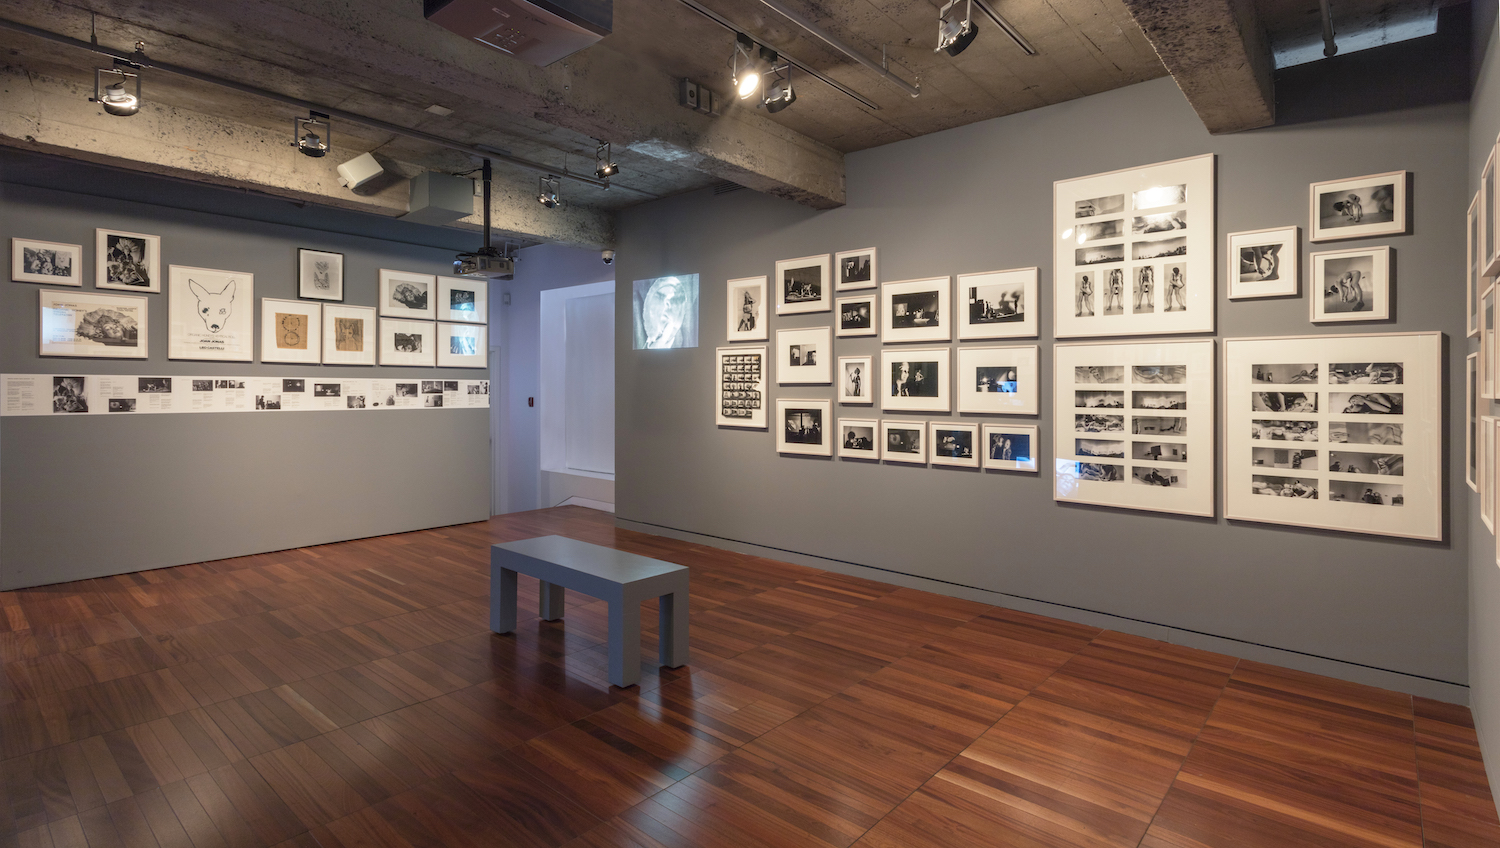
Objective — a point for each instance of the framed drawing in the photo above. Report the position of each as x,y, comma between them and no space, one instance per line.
903,441
1487,470
1134,425
916,311
1010,447
858,439
1265,263
109,326
1358,207
211,314
856,316
348,334
954,444
1353,285
1473,268
1134,251
746,321
320,275
1490,252
803,356
915,380
1364,412
48,262
802,285
1471,421
405,342
856,269
290,331
128,261
803,425
463,300
742,387
407,295
997,380
855,379
1487,343
462,346
999,305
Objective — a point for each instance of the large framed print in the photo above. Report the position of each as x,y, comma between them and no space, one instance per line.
290,331
1471,420
903,441
1134,425
741,384
1487,343
915,380
1353,285
1358,207
1134,251
127,261
407,295
857,316
855,269
954,443
804,356
1473,268
1010,447
320,275
104,325
1490,253
1336,432
348,334
405,342
463,299
856,383
802,285
998,305
916,311
746,319
1487,471
997,380
462,346
803,427
210,314
1265,263
49,262
859,439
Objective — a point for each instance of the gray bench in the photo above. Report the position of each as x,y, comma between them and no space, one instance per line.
622,579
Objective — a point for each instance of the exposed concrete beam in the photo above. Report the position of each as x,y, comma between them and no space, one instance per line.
1218,53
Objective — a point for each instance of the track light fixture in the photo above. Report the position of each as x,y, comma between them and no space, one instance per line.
779,93
955,33
749,63
115,97
306,139
604,162
547,191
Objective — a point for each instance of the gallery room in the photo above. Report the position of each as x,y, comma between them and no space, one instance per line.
673,423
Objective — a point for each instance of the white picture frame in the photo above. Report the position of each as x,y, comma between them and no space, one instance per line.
404,294
1313,394
1358,207
998,305
1474,278
859,438
320,275
462,345
1490,194
855,269
398,337
741,387
211,314
1133,251
857,316
50,262
291,331
953,443
1264,263
903,440
1010,447
804,427
1471,420
1487,343
463,300
997,380
350,334
1487,471
1134,425
745,313
1352,285
856,380
105,326
804,356
916,310
802,285
916,380
127,261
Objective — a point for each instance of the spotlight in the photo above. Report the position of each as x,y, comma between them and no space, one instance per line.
954,33
547,191
305,139
779,93
757,62
115,99
604,164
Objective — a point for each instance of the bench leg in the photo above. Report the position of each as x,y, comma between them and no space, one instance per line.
672,634
624,642
551,606
502,599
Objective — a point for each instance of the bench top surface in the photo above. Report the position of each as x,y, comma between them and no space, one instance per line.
598,561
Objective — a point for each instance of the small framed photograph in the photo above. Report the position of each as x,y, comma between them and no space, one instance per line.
463,299
1474,269
348,334
856,316
746,321
916,311
1000,305
954,444
1487,343
127,261
802,285
462,346
320,275
1359,207
290,331
859,438
804,356
856,269
903,441
741,387
405,342
915,380
803,427
1471,421
1490,198
407,295
111,326
1010,447
854,379
48,262
998,380
1353,285
1265,263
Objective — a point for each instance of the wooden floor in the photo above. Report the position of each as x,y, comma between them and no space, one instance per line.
350,695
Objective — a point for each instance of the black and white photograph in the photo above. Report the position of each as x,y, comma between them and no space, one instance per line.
355,401
203,385
803,427
153,385
916,311
1090,423
1366,373
804,356
1103,374
1265,263
1099,400
1099,231
904,441
855,269
1009,447
1286,459
1174,286
1158,425
1158,196
407,342
914,378
1167,374
746,318
406,390
1158,400
1085,287
121,405
1285,374
404,294
1098,472
432,387
856,316
463,300
1099,254
46,262
1284,487
1158,451
77,323
1159,222
320,275
995,378
293,385
1273,430
1366,403
1304,402
1158,249
268,401
432,401
1356,462
1359,207
855,383
1167,478
1093,207
129,261
858,439
1359,491
327,390
70,394
664,312
462,345
1112,293
450,385
998,304
1106,448
741,384
1143,290
802,285
229,384
1353,285
955,444
998,380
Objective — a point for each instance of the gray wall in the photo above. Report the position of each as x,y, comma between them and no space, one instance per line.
89,496
979,198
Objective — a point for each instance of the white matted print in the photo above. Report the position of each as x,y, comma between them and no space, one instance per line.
348,334
1471,420
48,262
320,275
803,427
211,314
1358,207
1010,447
998,305
407,295
855,269
1353,285
1337,432
746,318
1487,471
741,387
916,310
127,261
804,356
1265,263
1490,194
997,380
463,299
290,331
855,379
1134,425
462,346
859,438
857,316
1474,271
802,285
102,325
903,441
405,342
1487,343
954,443
1134,251
915,380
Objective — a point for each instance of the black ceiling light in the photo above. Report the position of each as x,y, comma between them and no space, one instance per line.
779,93
306,139
749,63
604,162
115,97
547,192
955,34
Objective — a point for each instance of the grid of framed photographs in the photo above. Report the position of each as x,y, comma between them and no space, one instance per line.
742,387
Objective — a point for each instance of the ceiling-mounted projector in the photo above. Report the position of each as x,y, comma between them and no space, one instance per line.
484,264
535,31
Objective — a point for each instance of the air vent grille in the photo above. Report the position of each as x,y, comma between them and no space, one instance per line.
726,187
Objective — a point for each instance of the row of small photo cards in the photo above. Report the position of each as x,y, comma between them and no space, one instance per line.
807,427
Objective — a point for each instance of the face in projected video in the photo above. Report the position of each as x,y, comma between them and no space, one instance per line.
666,312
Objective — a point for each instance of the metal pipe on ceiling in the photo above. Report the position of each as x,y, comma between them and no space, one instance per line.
834,42
1330,47
1010,30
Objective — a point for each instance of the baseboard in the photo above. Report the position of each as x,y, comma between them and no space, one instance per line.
577,500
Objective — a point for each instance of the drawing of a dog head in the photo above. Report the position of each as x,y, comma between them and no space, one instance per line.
213,307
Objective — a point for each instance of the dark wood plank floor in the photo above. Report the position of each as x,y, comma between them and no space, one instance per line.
351,695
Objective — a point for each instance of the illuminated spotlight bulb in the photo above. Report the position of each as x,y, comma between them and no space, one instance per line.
306,139
114,98
604,162
547,192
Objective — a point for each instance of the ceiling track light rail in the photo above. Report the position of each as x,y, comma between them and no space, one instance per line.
1006,26
834,42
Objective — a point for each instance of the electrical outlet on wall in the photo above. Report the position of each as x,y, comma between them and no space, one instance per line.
505,298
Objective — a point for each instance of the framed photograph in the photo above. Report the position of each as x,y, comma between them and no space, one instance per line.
999,305
664,312
405,342
856,316
464,300
998,380
1487,343
802,285
746,321
803,427
210,314
109,326
1487,469
1133,251
290,331
1471,422
1474,268
1265,263
856,269
1336,432
1359,207
741,387
1353,285
903,441
348,334
1134,425
804,356
1010,447
462,346
320,275
859,438
954,443
127,261
1490,194
855,379
916,311
48,262
407,295
915,380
